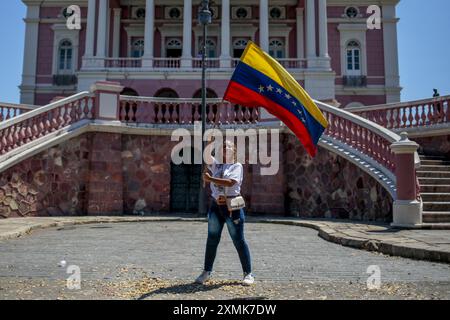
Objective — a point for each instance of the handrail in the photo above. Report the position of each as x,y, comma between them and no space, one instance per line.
39,122
361,134
43,109
398,104
385,133
11,110
18,105
415,114
153,110
169,100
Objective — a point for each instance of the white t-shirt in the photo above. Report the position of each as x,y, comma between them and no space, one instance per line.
233,171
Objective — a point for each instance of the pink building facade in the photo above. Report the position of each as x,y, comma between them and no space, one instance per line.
152,47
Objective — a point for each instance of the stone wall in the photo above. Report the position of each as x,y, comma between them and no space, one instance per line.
329,186
146,173
113,174
53,182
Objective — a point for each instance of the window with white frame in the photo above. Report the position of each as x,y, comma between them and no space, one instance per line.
137,48
174,48
353,56
277,48
211,48
65,57
239,47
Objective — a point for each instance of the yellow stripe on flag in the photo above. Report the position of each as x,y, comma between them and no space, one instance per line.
256,58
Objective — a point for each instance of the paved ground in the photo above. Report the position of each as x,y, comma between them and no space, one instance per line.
431,245
158,260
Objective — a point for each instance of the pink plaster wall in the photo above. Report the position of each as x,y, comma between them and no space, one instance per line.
375,53
45,50
334,47
184,88
366,100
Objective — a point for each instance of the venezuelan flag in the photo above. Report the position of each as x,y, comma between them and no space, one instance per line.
260,81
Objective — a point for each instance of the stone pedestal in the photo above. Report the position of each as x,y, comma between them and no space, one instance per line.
407,209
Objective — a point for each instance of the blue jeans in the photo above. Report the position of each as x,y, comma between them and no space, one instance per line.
217,217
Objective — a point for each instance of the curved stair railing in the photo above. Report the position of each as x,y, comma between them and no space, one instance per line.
40,122
363,143
359,140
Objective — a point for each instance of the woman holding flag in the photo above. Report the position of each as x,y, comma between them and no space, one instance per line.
258,81
227,208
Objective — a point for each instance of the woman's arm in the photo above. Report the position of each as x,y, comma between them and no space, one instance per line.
218,181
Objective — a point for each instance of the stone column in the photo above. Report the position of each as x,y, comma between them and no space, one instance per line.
300,34
90,29
407,209
311,33
186,58
225,57
264,25
391,54
116,32
30,55
323,35
101,28
147,61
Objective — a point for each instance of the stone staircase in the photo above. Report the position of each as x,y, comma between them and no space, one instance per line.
434,178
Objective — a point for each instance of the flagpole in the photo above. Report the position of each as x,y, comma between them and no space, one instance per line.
204,19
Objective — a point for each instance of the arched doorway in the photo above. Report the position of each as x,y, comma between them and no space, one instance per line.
239,46
174,48
129,92
210,94
166,93
185,185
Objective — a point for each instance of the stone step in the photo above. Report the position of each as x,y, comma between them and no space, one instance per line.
436,217
434,168
433,174
435,197
434,188
434,181
436,226
424,157
435,162
436,206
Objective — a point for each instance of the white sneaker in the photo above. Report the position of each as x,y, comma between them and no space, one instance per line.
249,279
205,276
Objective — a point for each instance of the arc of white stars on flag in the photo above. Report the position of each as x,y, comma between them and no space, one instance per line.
287,96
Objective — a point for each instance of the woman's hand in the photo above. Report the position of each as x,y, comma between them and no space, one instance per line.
221,201
206,177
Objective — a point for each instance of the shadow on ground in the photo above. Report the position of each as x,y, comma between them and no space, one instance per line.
188,288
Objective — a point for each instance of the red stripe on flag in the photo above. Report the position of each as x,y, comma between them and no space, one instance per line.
239,94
